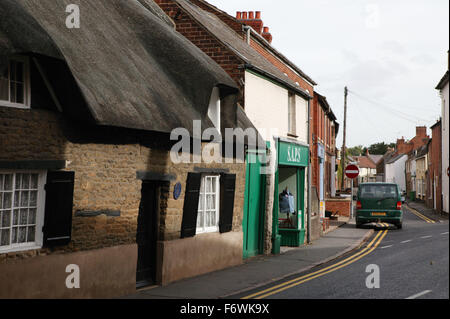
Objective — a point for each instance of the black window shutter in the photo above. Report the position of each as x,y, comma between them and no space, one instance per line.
227,190
190,208
58,208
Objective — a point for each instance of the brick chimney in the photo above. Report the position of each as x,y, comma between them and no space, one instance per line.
404,147
266,35
252,19
421,131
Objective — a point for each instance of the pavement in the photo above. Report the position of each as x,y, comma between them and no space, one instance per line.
262,270
428,212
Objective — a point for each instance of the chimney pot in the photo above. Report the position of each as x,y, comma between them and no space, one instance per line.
251,15
258,15
238,15
244,15
266,30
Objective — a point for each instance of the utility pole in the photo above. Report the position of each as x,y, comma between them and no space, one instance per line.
343,145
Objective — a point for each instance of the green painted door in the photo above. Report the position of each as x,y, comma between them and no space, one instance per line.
254,205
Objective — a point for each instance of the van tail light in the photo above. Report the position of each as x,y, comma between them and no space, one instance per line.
399,205
358,205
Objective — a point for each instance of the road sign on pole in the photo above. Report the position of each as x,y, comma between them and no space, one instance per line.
352,172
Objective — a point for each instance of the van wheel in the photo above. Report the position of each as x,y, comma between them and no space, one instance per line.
399,226
358,225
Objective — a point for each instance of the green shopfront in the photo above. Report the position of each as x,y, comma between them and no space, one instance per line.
290,194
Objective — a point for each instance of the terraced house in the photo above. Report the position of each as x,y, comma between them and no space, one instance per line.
276,96
324,152
87,175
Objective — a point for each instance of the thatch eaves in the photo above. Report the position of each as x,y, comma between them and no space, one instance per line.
133,69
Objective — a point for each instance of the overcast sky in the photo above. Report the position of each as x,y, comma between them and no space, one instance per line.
390,54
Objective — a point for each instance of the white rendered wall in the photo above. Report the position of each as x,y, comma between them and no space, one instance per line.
395,172
445,148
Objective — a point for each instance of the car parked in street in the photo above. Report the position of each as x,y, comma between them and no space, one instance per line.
379,202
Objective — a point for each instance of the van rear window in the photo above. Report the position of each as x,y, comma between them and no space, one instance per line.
378,191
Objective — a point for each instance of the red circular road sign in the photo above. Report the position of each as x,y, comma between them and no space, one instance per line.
352,171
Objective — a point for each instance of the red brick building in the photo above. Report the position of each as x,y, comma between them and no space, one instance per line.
247,56
434,189
404,147
421,138
323,149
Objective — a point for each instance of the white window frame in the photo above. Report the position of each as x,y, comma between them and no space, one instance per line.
292,114
215,228
26,84
40,211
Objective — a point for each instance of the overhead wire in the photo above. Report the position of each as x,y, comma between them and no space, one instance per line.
405,116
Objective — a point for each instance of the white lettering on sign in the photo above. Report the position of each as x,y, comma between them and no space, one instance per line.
294,155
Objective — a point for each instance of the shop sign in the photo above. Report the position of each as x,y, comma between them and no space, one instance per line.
293,154
320,151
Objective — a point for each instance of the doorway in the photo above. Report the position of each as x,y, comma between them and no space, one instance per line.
254,205
147,234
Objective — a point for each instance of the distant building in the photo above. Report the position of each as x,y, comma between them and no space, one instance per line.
395,171
410,168
434,193
421,172
367,168
443,88
403,167
323,160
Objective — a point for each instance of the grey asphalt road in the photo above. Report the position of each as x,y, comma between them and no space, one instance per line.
413,263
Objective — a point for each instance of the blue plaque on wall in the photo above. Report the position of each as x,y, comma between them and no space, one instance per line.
177,190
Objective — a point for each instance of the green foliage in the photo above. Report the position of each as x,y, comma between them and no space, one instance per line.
356,150
374,149
380,148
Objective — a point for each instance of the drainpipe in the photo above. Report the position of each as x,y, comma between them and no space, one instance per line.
308,238
270,191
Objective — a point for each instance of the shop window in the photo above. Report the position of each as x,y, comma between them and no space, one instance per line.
14,83
287,198
21,210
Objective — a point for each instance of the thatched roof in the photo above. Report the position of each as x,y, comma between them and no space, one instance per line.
133,69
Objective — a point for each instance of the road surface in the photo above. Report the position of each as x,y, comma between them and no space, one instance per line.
393,264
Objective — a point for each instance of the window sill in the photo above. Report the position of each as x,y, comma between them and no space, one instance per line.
19,249
207,231
14,105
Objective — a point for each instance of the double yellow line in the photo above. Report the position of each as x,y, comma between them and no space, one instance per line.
382,225
425,218
300,280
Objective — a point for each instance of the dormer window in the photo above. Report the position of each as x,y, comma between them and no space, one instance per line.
14,83
214,108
